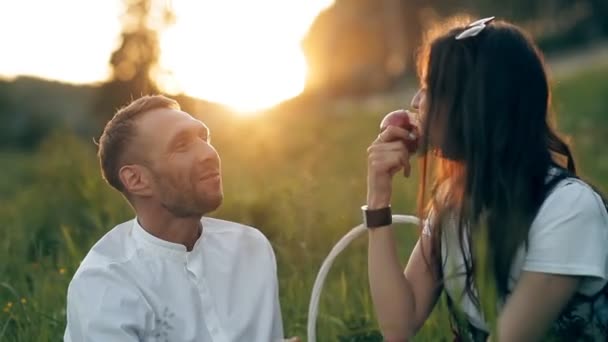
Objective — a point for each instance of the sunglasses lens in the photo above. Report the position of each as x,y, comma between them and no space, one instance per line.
470,32
481,21
474,28
473,31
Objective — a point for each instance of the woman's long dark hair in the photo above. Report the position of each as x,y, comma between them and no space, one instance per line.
490,133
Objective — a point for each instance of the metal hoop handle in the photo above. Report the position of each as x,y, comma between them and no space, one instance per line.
313,307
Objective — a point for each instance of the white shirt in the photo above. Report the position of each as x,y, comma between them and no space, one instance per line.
133,286
568,236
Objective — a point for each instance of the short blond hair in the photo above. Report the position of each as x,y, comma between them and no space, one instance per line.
119,132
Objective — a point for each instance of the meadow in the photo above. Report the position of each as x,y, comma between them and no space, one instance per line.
299,178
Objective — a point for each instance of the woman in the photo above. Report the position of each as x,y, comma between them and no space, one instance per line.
502,209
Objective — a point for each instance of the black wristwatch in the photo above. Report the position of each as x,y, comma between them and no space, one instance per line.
374,218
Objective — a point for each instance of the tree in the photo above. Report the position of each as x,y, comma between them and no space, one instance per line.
135,61
362,46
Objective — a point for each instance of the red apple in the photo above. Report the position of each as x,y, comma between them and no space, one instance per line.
401,118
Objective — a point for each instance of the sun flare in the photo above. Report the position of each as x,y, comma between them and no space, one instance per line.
240,53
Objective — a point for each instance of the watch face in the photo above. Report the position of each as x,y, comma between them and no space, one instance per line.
377,217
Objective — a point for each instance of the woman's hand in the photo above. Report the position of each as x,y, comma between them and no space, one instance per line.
387,155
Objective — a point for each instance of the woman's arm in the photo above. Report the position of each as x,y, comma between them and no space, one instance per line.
567,243
536,302
402,301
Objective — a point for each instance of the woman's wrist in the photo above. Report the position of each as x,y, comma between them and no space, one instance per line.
377,201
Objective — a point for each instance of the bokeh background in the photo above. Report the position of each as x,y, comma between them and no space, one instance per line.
293,92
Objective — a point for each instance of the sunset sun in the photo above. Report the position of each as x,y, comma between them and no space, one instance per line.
245,55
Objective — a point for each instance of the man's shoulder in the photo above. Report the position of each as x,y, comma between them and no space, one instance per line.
234,230
109,252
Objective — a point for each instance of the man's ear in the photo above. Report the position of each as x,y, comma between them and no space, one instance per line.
136,180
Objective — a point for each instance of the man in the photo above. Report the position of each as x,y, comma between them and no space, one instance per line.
171,274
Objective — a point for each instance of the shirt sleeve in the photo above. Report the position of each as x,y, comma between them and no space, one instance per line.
570,233
102,307
277,324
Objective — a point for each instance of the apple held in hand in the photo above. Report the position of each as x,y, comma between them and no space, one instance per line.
402,118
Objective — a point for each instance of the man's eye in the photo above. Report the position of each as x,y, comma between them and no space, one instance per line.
181,145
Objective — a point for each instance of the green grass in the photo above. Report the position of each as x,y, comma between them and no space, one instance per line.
299,179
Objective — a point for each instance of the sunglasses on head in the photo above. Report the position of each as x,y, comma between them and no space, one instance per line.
474,28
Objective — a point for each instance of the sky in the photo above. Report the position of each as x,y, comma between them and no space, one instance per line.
242,53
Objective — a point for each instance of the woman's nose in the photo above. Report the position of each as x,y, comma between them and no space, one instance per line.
416,100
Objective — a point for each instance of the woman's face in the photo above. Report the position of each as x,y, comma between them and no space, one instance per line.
436,133
419,101
420,105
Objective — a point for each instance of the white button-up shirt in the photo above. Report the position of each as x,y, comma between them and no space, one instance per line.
133,286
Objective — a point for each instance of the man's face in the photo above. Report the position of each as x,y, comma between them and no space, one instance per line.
184,167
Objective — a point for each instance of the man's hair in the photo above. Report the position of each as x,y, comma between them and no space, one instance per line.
119,132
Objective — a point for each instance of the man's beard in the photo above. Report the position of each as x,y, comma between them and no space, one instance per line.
181,198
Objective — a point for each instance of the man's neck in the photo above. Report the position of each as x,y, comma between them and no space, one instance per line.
162,224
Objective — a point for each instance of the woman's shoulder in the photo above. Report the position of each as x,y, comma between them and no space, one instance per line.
569,236
570,233
575,199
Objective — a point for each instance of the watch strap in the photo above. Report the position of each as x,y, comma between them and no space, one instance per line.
374,218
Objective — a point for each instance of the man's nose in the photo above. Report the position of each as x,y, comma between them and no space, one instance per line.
205,151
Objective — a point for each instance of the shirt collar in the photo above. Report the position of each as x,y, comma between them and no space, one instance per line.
151,243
